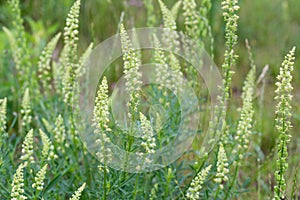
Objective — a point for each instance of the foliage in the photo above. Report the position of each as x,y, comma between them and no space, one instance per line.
41,154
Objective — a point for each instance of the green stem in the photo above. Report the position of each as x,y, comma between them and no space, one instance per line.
136,186
232,182
258,181
104,183
217,193
128,148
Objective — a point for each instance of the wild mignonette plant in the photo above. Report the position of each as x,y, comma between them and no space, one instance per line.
132,75
19,44
148,135
70,51
27,148
170,37
222,168
162,69
218,124
59,132
101,120
77,194
245,124
42,156
17,191
230,7
39,178
44,67
3,107
26,111
196,185
48,148
283,123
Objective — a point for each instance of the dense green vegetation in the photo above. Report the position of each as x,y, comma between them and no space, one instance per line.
44,48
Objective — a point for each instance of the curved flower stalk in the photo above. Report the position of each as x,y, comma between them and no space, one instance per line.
175,9
101,120
27,148
136,45
77,194
48,148
47,125
246,117
100,123
132,75
222,167
39,178
70,53
101,109
230,7
17,192
44,67
3,132
58,70
3,107
68,85
168,77
57,73
149,141
170,37
19,46
71,31
193,191
283,123
197,28
168,18
196,22
191,18
163,74
172,76
203,24
81,70
60,134
26,110
177,75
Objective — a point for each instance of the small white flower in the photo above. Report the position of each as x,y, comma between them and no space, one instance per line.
193,191
48,148
44,67
26,109
3,105
222,167
27,148
77,194
39,178
132,75
17,191
149,141
283,122
59,132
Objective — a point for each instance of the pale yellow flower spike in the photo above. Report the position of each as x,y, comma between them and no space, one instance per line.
39,178
77,194
27,148
17,192
283,122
